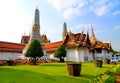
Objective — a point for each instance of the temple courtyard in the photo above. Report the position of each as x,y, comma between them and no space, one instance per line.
49,73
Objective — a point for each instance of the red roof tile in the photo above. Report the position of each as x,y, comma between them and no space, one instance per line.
106,45
77,36
52,46
11,47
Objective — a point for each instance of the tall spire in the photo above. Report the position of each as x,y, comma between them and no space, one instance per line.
64,32
36,19
82,35
87,36
87,40
92,30
35,33
64,27
36,27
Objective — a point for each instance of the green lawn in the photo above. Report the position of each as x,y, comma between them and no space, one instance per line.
48,73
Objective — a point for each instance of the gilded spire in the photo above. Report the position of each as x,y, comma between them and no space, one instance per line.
92,30
36,27
69,31
35,33
36,19
87,40
64,32
81,37
87,35
94,41
83,30
64,27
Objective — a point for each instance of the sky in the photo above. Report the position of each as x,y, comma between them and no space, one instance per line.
17,17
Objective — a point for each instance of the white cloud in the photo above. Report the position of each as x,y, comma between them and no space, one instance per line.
101,11
72,8
117,27
104,7
115,13
62,4
68,8
100,7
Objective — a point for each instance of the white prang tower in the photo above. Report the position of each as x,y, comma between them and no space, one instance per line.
35,34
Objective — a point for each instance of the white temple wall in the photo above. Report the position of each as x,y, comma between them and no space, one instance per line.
9,55
70,56
77,54
51,55
90,56
81,54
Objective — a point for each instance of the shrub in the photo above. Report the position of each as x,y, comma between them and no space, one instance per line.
60,53
108,77
34,50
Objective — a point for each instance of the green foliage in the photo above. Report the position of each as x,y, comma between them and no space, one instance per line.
60,52
108,77
116,52
34,49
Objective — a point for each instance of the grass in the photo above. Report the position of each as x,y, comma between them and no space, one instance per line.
48,73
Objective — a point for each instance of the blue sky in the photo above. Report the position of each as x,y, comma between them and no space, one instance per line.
17,16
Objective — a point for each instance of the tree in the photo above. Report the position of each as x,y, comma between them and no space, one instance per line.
34,50
60,53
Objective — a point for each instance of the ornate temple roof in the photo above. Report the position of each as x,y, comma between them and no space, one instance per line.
44,39
77,40
94,41
25,39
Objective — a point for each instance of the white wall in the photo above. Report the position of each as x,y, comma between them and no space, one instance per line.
77,54
102,55
70,56
90,57
9,55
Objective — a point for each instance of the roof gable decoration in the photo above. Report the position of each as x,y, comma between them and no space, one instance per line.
107,46
77,40
69,40
95,43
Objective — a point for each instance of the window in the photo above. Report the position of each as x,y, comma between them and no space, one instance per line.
98,50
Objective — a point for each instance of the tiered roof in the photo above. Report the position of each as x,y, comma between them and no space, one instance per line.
77,40
25,39
44,39
95,43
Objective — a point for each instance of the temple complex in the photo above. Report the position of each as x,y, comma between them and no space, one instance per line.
79,46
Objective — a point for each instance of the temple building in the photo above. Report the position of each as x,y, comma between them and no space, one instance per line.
79,46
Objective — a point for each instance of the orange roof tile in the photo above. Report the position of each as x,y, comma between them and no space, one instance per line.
11,47
53,45
106,45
